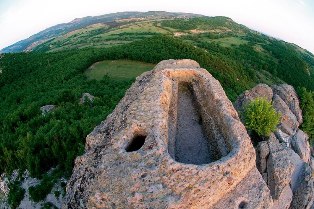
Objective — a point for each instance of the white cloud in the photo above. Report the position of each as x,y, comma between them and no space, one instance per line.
291,20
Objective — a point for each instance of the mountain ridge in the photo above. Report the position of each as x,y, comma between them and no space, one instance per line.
61,28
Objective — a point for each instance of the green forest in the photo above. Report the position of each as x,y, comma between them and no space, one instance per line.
30,140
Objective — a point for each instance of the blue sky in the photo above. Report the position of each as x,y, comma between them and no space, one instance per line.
289,20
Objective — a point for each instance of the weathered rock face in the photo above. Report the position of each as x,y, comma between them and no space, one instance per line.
173,141
284,160
261,90
290,97
300,145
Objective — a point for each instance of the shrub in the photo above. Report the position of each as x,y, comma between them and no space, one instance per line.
40,191
307,105
260,117
16,194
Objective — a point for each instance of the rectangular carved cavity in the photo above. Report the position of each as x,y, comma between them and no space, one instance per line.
194,135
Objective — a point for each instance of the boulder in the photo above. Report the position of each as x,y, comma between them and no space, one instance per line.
303,196
286,170
46,109
298,168
286,157
289,96
260,90
86,97
301,146
279,170
288,119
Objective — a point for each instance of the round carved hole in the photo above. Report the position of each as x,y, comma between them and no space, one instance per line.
242,205
136,143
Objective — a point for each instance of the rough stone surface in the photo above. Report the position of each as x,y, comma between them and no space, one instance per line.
287,117
287,169
86,97
46,109
261,90
283,137
175,141
301,146
262,152
304,195
279,170
290,97
251,194
131,159
284,200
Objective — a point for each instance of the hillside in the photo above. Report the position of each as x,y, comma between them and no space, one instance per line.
89,27
234,47
235,55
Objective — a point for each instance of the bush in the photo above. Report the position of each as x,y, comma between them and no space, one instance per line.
307,105
260,117
16,194
40,191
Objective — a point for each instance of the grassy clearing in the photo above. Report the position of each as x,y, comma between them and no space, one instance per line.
138,28
229,41
118,69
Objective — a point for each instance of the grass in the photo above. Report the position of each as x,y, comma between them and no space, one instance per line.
138,28
229,41
118,69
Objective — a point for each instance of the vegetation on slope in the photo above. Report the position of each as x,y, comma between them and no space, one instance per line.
117,69
307,105
235,56
35,142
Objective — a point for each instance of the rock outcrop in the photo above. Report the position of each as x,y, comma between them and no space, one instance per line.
284,160
176,141
173,141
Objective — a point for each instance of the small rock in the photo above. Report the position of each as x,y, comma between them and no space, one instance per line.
46,109
283,137
86,97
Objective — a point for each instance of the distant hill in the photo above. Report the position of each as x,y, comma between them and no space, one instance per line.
89,26
244,55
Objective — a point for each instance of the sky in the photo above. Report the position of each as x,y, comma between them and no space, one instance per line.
289,20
